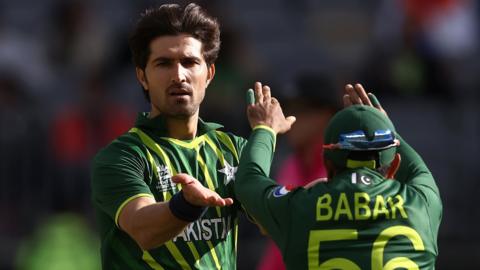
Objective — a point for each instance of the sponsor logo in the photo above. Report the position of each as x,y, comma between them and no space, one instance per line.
164,179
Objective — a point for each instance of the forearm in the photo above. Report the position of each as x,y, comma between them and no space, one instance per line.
252,178
150,223
155,224
412,165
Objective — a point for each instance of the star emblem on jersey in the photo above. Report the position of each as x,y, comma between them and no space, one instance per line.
229,172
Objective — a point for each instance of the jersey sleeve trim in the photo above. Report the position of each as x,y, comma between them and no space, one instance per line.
267,128
120,208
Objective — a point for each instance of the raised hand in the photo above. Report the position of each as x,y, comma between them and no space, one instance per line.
356,94
267,111
196,194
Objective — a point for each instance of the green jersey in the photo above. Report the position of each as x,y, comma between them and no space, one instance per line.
141,163
358,220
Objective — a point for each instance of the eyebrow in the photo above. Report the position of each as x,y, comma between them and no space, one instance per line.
164,58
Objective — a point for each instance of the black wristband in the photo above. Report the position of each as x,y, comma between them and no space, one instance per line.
184,210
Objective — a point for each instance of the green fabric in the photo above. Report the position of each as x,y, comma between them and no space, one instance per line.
358,220
354,118
128,167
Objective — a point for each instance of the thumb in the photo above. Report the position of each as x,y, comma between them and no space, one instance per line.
375,101
291,120
182,178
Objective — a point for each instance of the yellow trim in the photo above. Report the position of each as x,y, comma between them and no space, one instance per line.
194,251
267,128
235,228
151,261
225,139
214,254
270,130
117,214
208,179
150,143
193,144
177,255
155,147
216,150
352,164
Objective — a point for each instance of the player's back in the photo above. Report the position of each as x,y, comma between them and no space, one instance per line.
360,220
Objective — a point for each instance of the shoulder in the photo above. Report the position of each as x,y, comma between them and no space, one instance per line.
225,135
127,146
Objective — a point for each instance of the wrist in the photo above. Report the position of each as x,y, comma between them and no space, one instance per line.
266,127
184,210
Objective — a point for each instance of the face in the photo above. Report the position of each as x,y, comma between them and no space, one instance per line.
176,76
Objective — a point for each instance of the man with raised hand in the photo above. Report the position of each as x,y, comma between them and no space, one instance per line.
374,212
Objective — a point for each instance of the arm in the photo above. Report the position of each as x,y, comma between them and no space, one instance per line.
253,187
120,191
151,224
413,170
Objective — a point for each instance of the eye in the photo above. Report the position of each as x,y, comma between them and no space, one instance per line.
189,62
162,63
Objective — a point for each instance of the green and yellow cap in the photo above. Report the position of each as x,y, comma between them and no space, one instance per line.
360,128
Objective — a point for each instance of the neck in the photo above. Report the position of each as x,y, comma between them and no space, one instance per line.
178,127
182,129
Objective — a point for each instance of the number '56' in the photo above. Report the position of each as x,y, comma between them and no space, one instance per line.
318,236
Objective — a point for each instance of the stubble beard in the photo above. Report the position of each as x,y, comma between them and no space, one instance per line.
180,110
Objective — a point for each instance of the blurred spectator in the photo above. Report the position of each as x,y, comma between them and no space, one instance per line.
79,40
314,101
77,131
22,161
425,49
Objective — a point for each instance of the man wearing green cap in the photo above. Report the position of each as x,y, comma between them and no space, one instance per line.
374,212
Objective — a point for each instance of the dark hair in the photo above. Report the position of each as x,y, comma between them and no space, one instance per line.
172,20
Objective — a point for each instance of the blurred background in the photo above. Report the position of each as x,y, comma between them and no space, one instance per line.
67,87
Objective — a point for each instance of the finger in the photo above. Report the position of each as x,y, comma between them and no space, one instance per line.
267,95
362,94
250,97
182,178
354,98
346,101
224,202
216,200
375,102
291,120
258,92
228,201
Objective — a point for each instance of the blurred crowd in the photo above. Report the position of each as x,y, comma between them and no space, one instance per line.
67,88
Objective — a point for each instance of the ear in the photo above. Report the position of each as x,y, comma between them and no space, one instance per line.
142,79
394,167
210,73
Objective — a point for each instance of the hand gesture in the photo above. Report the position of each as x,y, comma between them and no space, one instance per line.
196,194
357,95
267,111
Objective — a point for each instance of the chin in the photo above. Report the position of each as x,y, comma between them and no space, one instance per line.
183,113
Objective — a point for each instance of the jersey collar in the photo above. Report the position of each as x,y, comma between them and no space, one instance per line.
158,127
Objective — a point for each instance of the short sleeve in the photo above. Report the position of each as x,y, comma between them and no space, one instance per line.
117,178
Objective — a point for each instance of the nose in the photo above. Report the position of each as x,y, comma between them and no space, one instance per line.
179,73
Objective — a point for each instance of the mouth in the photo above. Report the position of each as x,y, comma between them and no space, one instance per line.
179,91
